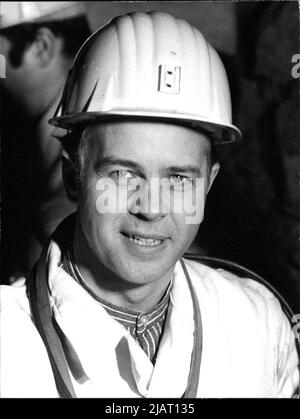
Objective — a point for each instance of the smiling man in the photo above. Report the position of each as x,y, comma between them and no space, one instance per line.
138,245
112,309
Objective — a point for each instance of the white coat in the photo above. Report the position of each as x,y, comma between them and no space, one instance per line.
248,344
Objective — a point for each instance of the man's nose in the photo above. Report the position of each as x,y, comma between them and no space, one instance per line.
149,203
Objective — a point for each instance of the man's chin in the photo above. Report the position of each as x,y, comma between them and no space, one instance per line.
142,272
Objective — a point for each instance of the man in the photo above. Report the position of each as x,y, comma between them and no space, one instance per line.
119,312
39,41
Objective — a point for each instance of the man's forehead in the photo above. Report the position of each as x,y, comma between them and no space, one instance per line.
147,144
145,130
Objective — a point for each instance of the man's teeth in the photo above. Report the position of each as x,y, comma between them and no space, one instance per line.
144,242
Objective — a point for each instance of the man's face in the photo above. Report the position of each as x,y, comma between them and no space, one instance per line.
140,242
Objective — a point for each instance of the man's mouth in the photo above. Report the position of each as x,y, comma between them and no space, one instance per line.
145,241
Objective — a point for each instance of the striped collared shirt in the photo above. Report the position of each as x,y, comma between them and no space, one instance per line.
146,327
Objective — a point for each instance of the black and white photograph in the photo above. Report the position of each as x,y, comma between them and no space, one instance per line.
150,202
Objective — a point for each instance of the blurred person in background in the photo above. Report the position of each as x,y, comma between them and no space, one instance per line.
39,41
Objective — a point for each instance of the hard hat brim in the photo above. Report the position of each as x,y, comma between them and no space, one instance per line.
219,133
39,12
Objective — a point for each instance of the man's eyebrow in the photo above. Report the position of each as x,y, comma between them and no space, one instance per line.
112,161
195,170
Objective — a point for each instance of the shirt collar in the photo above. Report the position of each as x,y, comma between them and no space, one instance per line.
122,314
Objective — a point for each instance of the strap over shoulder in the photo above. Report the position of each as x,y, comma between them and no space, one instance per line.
41,311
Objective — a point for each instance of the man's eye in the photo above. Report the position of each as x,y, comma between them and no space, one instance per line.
121,174
178,179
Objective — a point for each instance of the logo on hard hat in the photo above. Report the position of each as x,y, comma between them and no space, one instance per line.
169,79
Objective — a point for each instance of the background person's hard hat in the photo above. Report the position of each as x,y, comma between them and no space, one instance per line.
149,65
13,13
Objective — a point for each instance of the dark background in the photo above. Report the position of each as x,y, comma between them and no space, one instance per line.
253,210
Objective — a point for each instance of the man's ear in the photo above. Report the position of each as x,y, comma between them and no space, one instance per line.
213,174
69,177
44,47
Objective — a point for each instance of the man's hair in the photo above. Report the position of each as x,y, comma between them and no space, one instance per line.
75,144
214,155
73,31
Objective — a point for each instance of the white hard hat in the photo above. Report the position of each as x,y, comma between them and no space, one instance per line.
16,12
148,65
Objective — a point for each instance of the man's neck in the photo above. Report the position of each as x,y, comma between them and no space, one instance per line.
106,285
